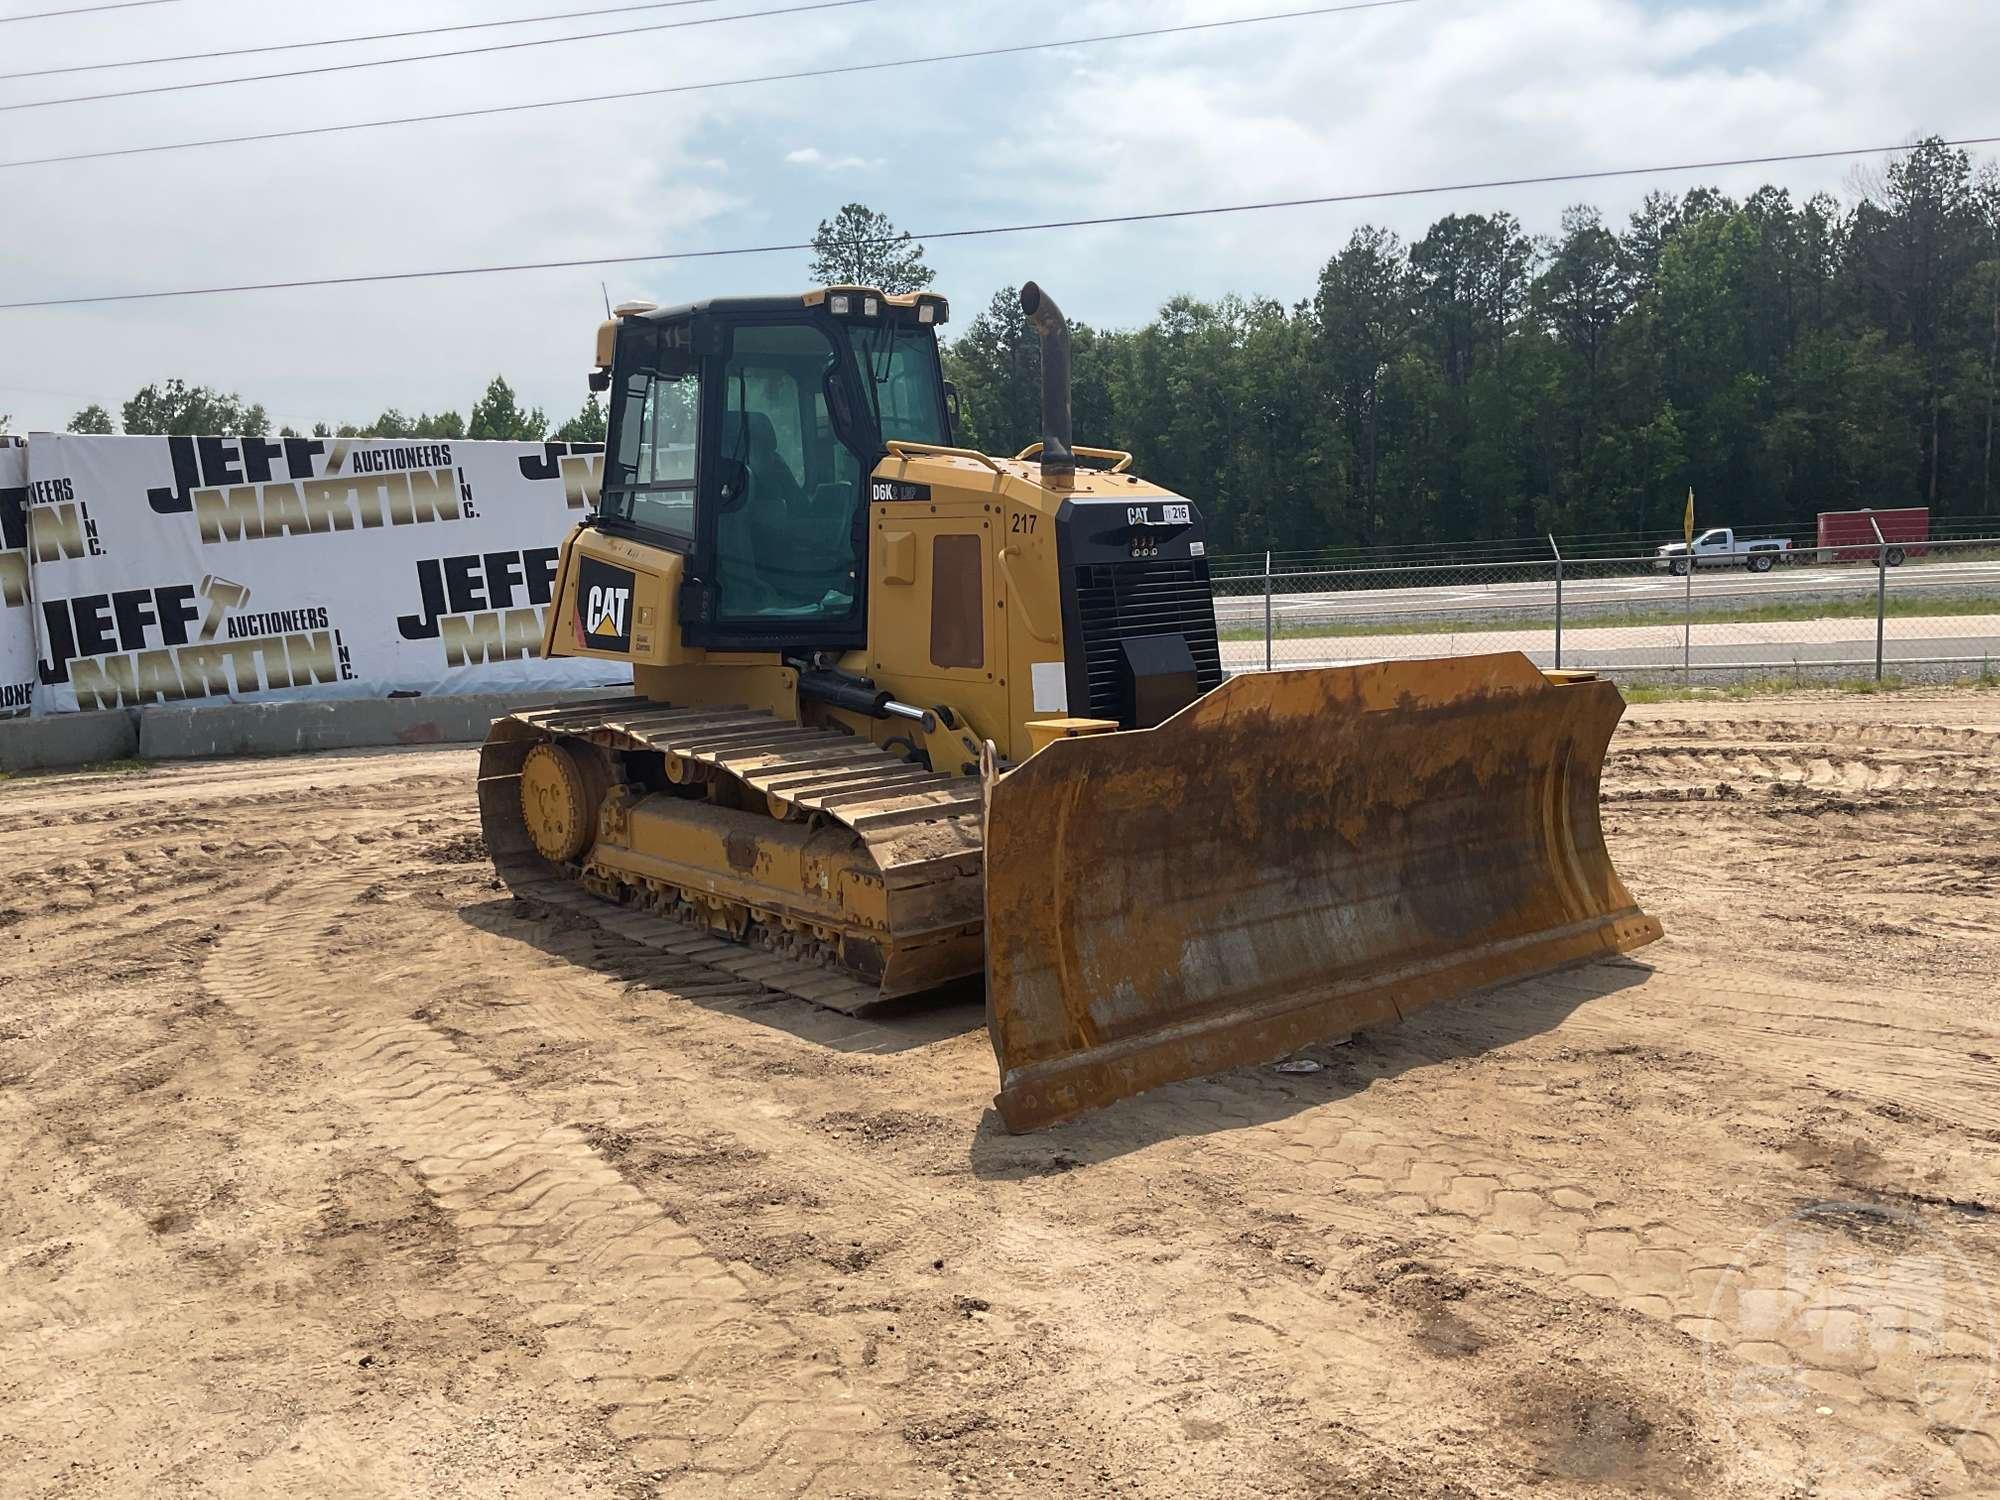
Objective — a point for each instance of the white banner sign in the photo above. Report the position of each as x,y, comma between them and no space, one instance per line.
17,620
177,570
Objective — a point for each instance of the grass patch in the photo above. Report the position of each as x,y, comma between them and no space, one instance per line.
1751,614
124,766
1767,687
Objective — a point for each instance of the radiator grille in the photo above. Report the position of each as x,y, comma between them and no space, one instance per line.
1157,596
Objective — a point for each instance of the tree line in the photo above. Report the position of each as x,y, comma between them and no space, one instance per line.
1779,357
173,408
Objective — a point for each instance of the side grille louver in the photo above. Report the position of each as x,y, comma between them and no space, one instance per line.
1160,596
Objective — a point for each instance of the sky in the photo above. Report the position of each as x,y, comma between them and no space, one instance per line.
1411,95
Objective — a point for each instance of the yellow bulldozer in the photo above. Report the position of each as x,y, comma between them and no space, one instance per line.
905,713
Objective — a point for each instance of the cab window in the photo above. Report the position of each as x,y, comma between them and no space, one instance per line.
899,372
649,479
788,492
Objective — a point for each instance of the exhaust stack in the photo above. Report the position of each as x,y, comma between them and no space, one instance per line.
1058,461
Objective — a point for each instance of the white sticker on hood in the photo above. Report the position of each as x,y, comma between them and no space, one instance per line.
1051,680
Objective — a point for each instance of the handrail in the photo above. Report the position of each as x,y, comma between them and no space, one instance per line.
904,450
1124,458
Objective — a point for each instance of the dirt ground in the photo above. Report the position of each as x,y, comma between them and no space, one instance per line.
328,1169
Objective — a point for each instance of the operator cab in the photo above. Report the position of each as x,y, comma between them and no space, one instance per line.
742,434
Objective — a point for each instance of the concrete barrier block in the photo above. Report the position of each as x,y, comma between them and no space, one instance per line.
68,740
216,729
183,733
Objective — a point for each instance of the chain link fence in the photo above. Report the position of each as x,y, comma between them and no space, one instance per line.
1925,610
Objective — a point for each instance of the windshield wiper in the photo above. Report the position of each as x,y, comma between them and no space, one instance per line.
881,356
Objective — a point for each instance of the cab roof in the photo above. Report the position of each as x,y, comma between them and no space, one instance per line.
782,303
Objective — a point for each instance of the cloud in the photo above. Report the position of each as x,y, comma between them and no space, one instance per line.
812,156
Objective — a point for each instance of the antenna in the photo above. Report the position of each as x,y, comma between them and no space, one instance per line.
607,298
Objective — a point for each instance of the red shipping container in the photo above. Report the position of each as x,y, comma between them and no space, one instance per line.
1847,536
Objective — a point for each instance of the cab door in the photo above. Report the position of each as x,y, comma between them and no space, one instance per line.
780,559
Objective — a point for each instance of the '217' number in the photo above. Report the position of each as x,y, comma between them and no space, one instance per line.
1024,521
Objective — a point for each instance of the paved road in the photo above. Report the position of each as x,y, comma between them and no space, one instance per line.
1647,591
1967,639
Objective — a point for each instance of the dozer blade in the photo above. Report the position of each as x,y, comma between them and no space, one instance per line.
1294,856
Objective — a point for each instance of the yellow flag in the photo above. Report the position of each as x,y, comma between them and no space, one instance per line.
1687,526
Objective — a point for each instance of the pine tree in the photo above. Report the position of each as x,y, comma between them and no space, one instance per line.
859,247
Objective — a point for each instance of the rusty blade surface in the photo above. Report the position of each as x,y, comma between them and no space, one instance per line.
1297,855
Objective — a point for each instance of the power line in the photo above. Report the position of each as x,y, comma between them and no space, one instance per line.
390,62
347,41
83,10
1378,195
691,88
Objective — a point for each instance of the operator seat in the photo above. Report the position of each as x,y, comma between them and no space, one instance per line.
758,538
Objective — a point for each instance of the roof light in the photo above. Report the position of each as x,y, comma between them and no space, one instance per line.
926,313
870,307
633,308
838,304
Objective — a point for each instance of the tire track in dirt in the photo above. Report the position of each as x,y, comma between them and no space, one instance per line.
1672,1262
1746,763
707,1387
1855,847
1209,1255
1341,1172
106,1017
162,797
1266,1347
1037,1274
1864,749
1800,1034
1876,735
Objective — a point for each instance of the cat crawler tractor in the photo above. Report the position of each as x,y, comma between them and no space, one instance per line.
906,713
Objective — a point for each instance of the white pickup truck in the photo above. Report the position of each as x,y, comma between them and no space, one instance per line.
1719,547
